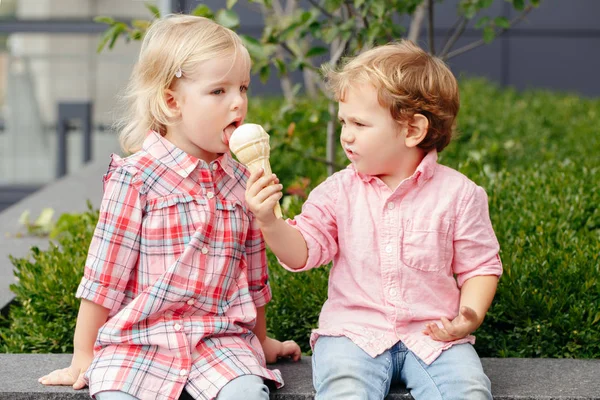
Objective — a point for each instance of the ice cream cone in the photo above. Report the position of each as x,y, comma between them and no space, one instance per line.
250,144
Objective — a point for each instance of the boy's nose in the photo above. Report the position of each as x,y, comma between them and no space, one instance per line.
346,136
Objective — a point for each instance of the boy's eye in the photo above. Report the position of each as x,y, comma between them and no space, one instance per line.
218,91
243,88
341,122
359,124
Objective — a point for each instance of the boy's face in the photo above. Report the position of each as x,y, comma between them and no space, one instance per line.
372,140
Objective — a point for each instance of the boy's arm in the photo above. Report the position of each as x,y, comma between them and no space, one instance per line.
477,267
285,241
90,318
477,294
273,348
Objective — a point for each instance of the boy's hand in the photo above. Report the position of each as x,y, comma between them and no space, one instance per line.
261,196
73,375
274,349
464,324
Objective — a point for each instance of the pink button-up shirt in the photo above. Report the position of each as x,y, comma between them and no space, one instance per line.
396,253
181,264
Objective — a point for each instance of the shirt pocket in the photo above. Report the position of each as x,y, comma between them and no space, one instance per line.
171,222
426,244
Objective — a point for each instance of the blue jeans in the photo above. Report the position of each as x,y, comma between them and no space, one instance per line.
342,370
248,387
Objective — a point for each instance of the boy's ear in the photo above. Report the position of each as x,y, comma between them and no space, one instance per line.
172,100
416,130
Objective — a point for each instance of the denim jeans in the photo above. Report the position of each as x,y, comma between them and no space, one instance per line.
247,387
342,370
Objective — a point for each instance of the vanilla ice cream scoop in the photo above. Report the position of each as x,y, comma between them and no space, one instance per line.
250,144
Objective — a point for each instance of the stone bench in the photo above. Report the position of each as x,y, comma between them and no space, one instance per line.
512,378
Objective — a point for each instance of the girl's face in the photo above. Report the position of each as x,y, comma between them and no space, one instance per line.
211,104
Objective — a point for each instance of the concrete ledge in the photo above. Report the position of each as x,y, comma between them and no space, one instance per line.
512,379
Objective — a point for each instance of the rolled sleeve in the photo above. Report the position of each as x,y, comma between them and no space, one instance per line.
318,225
258,271
114,249
475,244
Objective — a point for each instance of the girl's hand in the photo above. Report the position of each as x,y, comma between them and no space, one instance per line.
274,349
461,326
73,375
262,195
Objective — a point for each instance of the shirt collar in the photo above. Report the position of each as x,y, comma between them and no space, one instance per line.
178,160
423,172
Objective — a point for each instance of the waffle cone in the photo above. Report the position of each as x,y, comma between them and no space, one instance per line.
254,154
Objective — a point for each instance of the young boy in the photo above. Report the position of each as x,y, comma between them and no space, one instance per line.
415,258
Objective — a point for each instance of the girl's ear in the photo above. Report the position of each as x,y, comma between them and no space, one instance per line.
416,130
172,100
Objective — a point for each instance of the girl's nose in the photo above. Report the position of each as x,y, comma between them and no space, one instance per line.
238,101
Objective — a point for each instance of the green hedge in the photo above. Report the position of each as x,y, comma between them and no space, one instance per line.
535,153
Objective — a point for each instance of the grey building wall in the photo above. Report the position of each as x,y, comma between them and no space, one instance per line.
556,47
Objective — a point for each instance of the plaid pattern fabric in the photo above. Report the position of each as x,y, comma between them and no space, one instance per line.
181,265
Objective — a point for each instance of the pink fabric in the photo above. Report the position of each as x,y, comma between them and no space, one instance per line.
396,253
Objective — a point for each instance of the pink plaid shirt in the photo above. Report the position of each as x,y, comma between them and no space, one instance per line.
180,263
396,253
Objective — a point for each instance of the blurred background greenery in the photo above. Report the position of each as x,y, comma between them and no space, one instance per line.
534,152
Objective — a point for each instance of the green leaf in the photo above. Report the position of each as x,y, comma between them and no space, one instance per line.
316,51
519,4
111,34
332,5
488,34
264,73
227,18
104,20
484,21
203,11
502,22
280,65
255,48
358,3
153,9
141,24
230,4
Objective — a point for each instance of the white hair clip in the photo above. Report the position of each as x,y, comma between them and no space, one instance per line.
178,73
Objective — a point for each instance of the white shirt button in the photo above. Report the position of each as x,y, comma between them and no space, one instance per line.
204,250
391,206
215,166
183,372
177,327
388,248
210,195
190,302
393,292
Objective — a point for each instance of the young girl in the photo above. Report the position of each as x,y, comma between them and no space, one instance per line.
176,281
415,258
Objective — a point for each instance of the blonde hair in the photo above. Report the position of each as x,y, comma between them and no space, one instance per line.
171,43
409,81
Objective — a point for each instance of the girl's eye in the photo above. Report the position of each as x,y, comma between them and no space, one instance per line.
342,122
359,124
218,91
243,88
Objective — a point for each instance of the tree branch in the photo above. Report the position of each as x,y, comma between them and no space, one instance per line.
430,28
455,35
320,8
481,42
417,22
